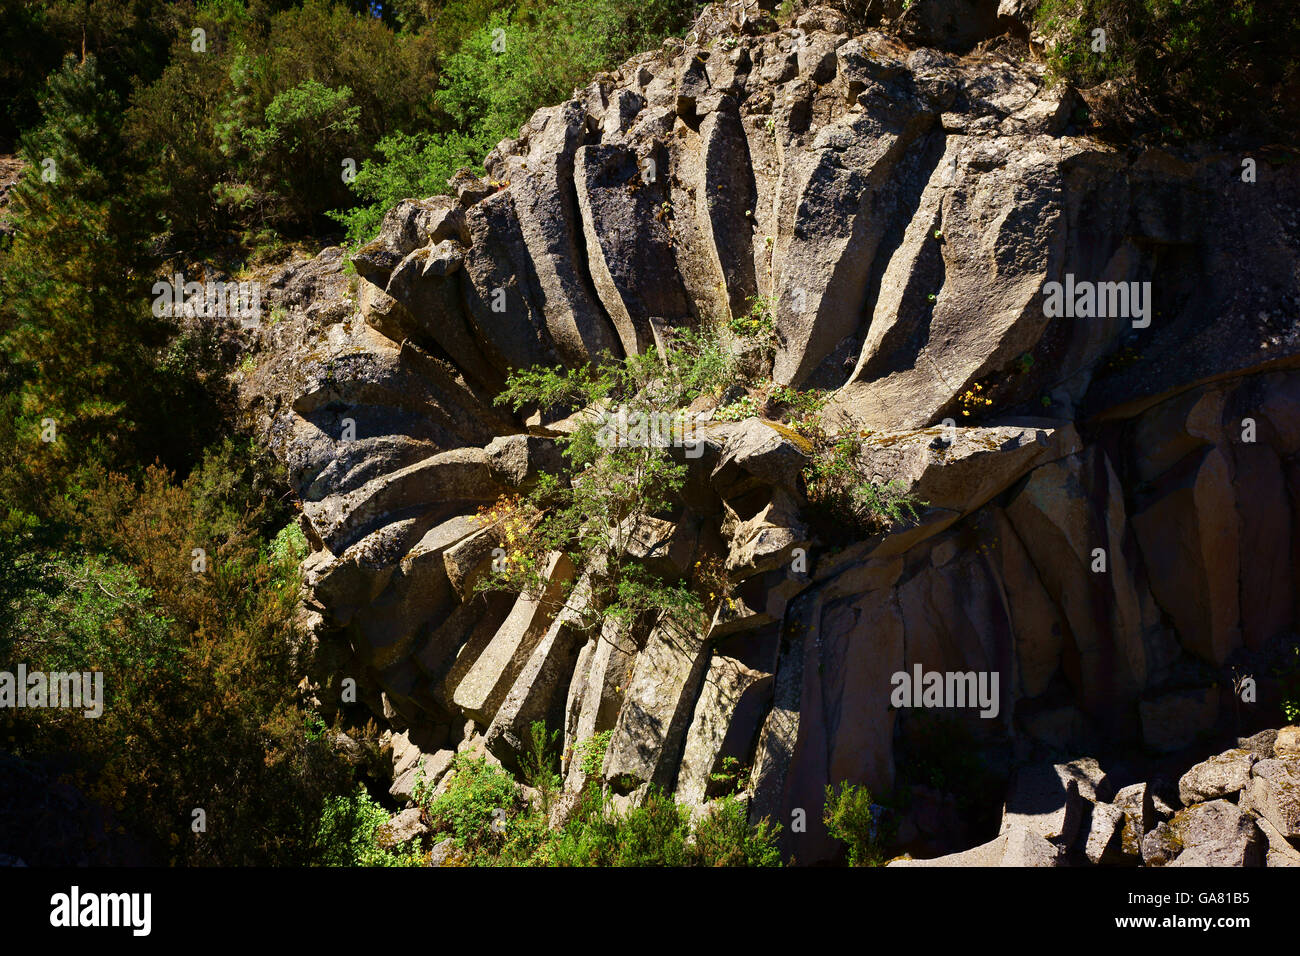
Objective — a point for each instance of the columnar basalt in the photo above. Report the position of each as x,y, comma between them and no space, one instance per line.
1125,522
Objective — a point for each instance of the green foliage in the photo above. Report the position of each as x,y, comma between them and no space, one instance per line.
620,479
730,775
1193,66
724,837
836,487
501,63
253,131
849,816
346,834
541,762
743,407
592,752
289,546
759,322
407,167
479,795
483,810
307,120
200,705
73,326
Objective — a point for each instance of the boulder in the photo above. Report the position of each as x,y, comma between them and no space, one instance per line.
1287,743
402,829
430,768
1220,776
1260,744
516,460
1274,794
731,705
1104,843
1016,847
1216,833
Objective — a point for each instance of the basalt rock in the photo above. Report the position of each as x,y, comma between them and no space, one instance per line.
1112,483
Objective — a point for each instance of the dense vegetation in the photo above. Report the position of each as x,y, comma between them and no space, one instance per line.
139,535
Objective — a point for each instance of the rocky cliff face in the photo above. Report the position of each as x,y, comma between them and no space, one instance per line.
1118,528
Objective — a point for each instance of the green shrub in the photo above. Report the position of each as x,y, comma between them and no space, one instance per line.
476,804
724,837
849,816
407,167
837,489
541,762
347,834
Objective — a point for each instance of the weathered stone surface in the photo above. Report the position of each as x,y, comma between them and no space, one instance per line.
1220,776
628,246
1209,834
732,702
1280,851
1260,744
410,224
401,829
490,678
1003,205
1105,838
1274,794
838,223
656,710
1017,847
903,208
960,469
1044,800
539,690
760,450
1138,804
1287,743
1061,528
457,476
517,460
429,767
541,185
503,305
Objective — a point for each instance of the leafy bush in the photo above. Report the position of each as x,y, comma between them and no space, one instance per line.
618,481
724,837
541,761
347,834
478,796
852,817
412,167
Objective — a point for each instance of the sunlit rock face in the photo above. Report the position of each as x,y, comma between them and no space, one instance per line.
928,226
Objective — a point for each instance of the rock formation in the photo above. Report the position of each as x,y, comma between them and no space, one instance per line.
1121,525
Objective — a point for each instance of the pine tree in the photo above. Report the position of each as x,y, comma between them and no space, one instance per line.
75,324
